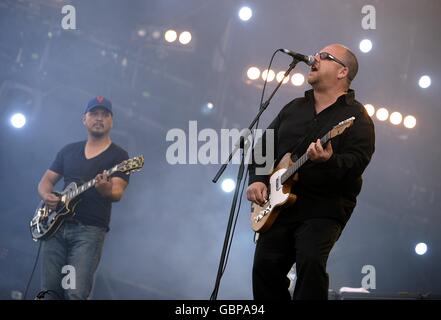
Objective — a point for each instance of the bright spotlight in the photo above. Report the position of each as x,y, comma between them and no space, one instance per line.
170,35
409,122
207,108
185,37
382,114
421,248
228,185
365,45
253,73
370,109
280,75
297,79
142,32
395,118
18,120
424,82
268,74
245,13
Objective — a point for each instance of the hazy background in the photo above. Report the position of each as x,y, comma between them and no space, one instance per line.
167,233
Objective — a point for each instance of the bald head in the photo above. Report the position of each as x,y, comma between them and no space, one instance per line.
334,69
351,61
348,57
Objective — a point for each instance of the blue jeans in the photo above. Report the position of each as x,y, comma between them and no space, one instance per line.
77,247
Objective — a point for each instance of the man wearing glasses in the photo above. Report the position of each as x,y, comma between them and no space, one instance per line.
327,185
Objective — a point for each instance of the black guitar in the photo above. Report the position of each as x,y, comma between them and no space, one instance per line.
46,221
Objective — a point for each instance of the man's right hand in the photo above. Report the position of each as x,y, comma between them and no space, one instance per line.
51,200
257,192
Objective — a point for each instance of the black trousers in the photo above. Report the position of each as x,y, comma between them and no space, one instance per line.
306,243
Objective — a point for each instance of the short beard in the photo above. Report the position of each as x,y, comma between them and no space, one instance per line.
97,134
313,82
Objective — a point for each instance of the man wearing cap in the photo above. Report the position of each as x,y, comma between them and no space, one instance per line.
71,255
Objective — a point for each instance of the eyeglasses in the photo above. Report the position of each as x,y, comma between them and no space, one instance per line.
328,56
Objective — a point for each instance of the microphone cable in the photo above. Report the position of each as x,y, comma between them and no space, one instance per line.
33,270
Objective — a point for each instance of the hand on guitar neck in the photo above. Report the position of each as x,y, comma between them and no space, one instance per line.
103,184
316,153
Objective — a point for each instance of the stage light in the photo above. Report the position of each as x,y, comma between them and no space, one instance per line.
382,114
395,118
421,248
280,75
268,74
245,13
253,73
409,122
370,109
228,185
142,32
185,37
156,34
365,45
170,35
207,108
18,120
424,82
297,79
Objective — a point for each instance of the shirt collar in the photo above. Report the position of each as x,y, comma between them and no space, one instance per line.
347,98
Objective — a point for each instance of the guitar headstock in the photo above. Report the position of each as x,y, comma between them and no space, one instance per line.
341,127
131,165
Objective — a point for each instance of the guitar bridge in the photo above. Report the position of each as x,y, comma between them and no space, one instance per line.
262,214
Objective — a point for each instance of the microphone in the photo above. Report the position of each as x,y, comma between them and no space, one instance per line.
309,60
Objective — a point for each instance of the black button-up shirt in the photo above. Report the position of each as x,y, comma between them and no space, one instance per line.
328,189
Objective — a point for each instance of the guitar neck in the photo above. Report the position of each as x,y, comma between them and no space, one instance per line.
86,186
301,161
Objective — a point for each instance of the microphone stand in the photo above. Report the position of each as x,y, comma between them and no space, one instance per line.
227,239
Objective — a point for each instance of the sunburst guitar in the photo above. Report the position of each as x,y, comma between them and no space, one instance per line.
281,181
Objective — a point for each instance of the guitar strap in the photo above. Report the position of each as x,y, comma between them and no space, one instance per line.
311,136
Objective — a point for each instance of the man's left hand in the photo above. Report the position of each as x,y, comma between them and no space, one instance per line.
103,184
316,153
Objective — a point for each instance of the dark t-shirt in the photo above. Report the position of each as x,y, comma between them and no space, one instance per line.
328,189
70,162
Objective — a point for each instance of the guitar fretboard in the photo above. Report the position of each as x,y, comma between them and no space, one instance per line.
301,161
86,186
